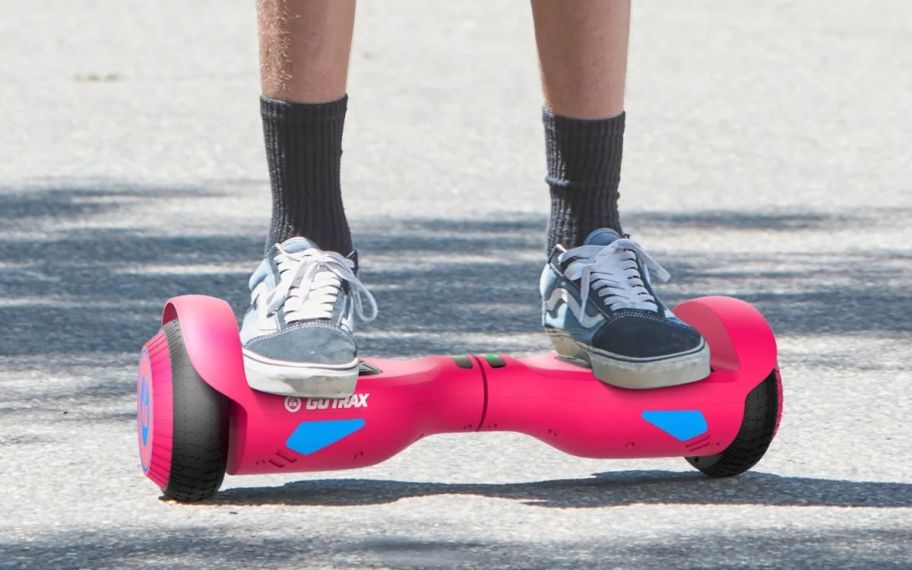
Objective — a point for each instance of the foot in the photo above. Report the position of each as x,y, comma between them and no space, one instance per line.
599,308
297,334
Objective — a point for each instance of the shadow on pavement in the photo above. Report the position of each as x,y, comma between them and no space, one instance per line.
43,206
439,282
443,285
93,296
306,547
610,489
208,546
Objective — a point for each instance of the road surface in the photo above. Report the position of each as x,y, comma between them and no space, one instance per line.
767,157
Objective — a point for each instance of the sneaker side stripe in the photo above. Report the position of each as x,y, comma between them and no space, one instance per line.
559,295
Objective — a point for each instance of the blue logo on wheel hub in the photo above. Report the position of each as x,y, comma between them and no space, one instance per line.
144,412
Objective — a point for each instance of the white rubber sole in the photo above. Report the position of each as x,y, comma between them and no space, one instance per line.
636,373
302,380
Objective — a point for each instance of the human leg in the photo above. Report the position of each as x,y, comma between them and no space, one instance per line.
599,306
304,54
582,48
306,294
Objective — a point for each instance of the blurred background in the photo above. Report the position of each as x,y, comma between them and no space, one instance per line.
767,157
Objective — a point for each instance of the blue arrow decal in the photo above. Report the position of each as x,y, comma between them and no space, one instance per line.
310,437
680,424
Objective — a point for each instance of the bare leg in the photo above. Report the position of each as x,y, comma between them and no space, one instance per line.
582,50
304,48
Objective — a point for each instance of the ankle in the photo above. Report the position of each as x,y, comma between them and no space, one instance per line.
584,165
303,150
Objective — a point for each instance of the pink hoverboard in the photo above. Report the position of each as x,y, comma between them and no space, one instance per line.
198,418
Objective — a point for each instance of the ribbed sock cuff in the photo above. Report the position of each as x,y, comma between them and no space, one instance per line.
584,168
303,151
289,111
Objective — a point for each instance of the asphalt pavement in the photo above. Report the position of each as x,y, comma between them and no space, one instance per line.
767,157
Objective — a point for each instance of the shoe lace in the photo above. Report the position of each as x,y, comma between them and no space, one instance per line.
618,272
310,282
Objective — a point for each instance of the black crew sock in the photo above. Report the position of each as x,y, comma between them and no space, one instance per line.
584,170
304,150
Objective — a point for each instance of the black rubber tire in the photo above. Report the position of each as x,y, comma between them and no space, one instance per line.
761,418
200,446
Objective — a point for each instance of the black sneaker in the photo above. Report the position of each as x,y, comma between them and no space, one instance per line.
598,307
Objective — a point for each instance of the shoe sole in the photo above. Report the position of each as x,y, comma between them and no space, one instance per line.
635,373
302,380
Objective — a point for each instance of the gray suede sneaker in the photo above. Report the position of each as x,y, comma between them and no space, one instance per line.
297,334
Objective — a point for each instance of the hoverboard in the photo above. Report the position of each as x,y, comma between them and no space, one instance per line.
198,419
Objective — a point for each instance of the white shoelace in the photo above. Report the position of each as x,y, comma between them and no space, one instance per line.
311,281
613,271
